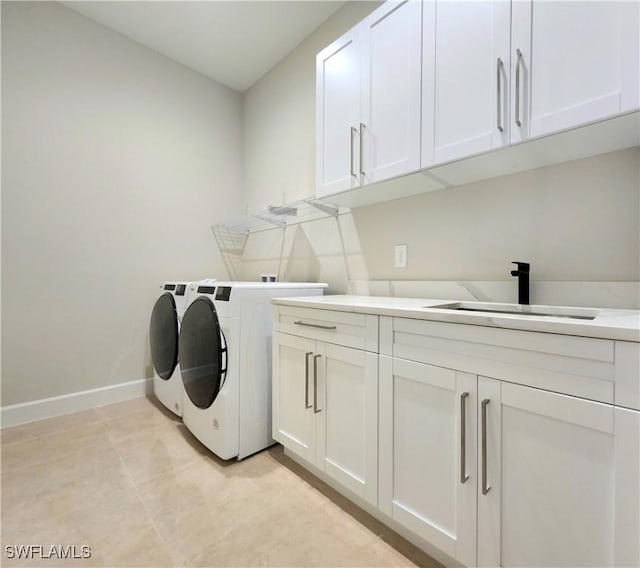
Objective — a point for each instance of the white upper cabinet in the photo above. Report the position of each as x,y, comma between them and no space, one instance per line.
424,83
390,127
368,100
572,63
472,67
337,115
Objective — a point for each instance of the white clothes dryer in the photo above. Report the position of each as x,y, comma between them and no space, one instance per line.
225,362
164,330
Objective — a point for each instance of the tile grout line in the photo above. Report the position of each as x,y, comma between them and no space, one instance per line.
115,442
138,495
21,467
53,433
108,425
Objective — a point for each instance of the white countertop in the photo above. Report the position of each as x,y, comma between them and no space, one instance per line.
622,325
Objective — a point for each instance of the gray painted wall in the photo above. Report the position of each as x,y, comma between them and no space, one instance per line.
573,221
279,118
116,161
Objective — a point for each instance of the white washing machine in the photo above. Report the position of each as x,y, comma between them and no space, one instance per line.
225,362
164,330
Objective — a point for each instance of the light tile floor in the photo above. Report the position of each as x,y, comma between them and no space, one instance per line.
132,483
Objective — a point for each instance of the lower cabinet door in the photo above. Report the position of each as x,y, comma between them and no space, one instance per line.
292,396
558,479
428,453
346,406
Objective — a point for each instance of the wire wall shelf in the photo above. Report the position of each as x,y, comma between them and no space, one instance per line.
232,236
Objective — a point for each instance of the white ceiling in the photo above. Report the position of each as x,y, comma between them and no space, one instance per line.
233,41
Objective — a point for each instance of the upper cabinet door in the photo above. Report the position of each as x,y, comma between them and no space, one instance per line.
338,115
390,127
472,50
572,63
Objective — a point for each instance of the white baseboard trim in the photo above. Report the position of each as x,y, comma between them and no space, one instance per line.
73,402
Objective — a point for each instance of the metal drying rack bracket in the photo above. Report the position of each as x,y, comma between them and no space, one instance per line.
232,236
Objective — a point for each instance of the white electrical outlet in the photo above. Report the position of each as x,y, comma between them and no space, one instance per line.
400,256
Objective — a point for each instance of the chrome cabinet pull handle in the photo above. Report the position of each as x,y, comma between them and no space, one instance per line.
463,438
319,326
485,487
499,99
362,127
306,379
315,384
518,61
353,132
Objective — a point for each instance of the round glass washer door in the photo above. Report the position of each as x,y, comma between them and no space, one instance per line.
203,353
163,336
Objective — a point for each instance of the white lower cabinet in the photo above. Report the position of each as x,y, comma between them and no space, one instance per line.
501,471
428,453
559,479
555,478
325,409
293,425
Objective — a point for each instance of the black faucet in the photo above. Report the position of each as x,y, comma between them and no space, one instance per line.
523,281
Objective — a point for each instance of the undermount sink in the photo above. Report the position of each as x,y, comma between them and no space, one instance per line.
520,310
